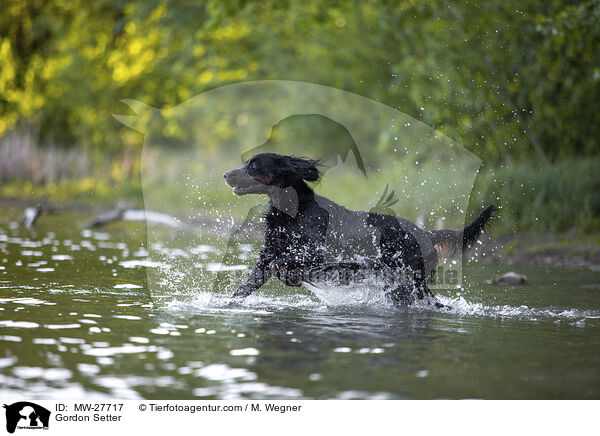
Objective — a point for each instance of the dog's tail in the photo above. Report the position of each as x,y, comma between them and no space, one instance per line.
449,242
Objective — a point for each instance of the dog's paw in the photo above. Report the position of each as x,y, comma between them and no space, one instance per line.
233,303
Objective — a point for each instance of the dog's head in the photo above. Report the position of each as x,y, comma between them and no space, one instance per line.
264,171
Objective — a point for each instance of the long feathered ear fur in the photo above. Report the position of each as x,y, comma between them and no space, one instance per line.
303,168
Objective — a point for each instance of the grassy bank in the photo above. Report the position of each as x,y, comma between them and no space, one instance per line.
538,198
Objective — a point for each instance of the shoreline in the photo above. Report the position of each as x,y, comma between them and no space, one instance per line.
566,250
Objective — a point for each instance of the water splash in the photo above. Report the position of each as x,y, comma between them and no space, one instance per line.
369,299
458,305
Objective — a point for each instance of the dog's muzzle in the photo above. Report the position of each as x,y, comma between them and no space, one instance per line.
243,184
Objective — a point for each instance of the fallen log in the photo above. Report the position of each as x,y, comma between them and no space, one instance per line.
140,215
105,218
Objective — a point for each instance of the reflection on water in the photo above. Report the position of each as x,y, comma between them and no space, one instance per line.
77,321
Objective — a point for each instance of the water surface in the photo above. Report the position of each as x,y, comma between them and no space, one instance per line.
77,320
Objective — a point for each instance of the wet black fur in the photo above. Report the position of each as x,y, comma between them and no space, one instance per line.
293,244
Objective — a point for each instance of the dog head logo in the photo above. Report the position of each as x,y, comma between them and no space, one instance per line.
423,175
26,415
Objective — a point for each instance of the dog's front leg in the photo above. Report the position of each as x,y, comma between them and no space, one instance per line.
285,269
258,276
292,270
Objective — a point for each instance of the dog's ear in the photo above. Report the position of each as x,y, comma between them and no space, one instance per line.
303,168
310,170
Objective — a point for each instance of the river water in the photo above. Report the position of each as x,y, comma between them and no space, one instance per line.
78,321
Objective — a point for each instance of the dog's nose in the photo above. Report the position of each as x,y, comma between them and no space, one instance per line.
226,174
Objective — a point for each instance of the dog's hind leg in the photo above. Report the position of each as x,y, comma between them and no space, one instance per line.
409,287
402,296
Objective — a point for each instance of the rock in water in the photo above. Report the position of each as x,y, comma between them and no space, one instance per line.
511,278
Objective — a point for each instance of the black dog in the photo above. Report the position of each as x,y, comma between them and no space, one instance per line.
306,232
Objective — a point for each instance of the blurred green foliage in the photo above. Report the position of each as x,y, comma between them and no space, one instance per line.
515,82
506,79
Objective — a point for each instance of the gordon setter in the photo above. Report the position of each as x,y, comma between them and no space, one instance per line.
307,234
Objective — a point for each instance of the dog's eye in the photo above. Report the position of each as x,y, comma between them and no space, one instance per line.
252,165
